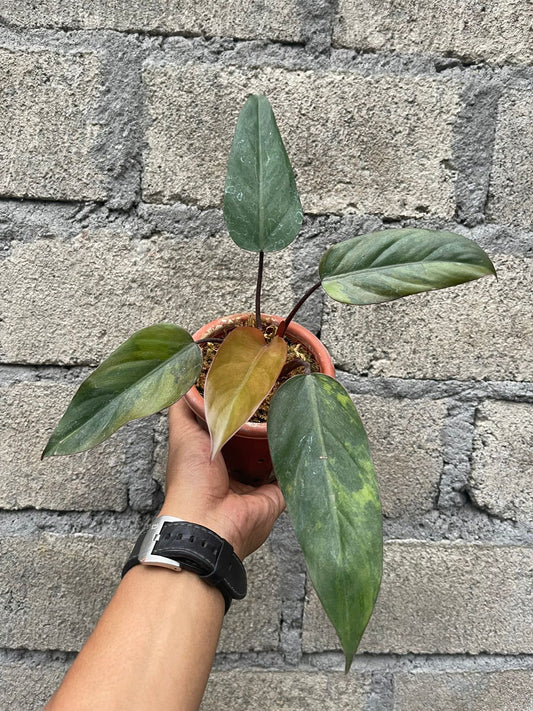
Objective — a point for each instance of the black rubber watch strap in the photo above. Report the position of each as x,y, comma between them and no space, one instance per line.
201,551
134,555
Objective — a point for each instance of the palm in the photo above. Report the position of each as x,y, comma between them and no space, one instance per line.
243,514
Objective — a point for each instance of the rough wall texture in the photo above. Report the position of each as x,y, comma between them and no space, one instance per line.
115,125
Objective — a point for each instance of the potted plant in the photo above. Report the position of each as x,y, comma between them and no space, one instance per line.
246,368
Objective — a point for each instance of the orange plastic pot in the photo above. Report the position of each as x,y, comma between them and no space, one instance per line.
246,454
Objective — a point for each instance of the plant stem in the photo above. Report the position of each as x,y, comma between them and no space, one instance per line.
210,340
296,363
284,324
258,292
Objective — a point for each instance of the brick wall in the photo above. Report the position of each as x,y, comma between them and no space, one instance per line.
115,126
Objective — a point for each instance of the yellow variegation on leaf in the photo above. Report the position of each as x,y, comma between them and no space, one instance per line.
322,461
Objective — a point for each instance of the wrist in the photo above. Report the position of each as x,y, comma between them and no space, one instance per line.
183,545
187,581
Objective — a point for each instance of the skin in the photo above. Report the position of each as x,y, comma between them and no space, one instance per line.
155,643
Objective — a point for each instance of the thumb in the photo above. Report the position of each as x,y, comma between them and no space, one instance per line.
183,428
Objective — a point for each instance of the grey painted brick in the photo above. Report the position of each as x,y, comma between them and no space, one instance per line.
54,588
241,690
502,463
443,598
159,470
498,31
480,330
279,20
76,301
90,480
358,143
511,181
252,624
451,691
406,449
27,685
47,123
474,148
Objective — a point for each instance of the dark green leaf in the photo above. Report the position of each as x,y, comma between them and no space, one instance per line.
147,373
261,204
322,461
387,265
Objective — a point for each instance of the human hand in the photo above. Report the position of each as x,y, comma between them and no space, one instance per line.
200,491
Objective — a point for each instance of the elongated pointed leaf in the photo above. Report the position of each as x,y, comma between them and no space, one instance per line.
322,461
242,374
261,204
382,266
150,371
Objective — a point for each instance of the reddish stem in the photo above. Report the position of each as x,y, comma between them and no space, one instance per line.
210,340
296,363
283,325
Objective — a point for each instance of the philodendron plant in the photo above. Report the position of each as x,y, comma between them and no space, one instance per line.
318,445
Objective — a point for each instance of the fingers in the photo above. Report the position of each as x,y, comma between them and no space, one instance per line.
189,454
239,487
182,424
180,411
272,492
274,496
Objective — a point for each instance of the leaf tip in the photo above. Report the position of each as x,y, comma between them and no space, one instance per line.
348,661
216,446
47,451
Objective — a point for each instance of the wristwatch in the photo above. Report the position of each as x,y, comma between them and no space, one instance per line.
180,545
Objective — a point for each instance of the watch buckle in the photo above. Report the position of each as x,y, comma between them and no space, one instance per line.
146,555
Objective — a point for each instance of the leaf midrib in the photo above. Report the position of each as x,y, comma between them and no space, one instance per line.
346,274
331,495
246,378
317,427
260,216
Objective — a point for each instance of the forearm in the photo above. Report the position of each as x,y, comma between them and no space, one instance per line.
152,648
154,645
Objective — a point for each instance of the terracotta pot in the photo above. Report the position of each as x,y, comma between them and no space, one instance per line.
246,454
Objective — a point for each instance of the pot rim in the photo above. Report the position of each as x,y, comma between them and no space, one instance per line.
295,331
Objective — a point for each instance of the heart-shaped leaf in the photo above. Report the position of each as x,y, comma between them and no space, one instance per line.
150,371
261,204
382,266
322,461
242,374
